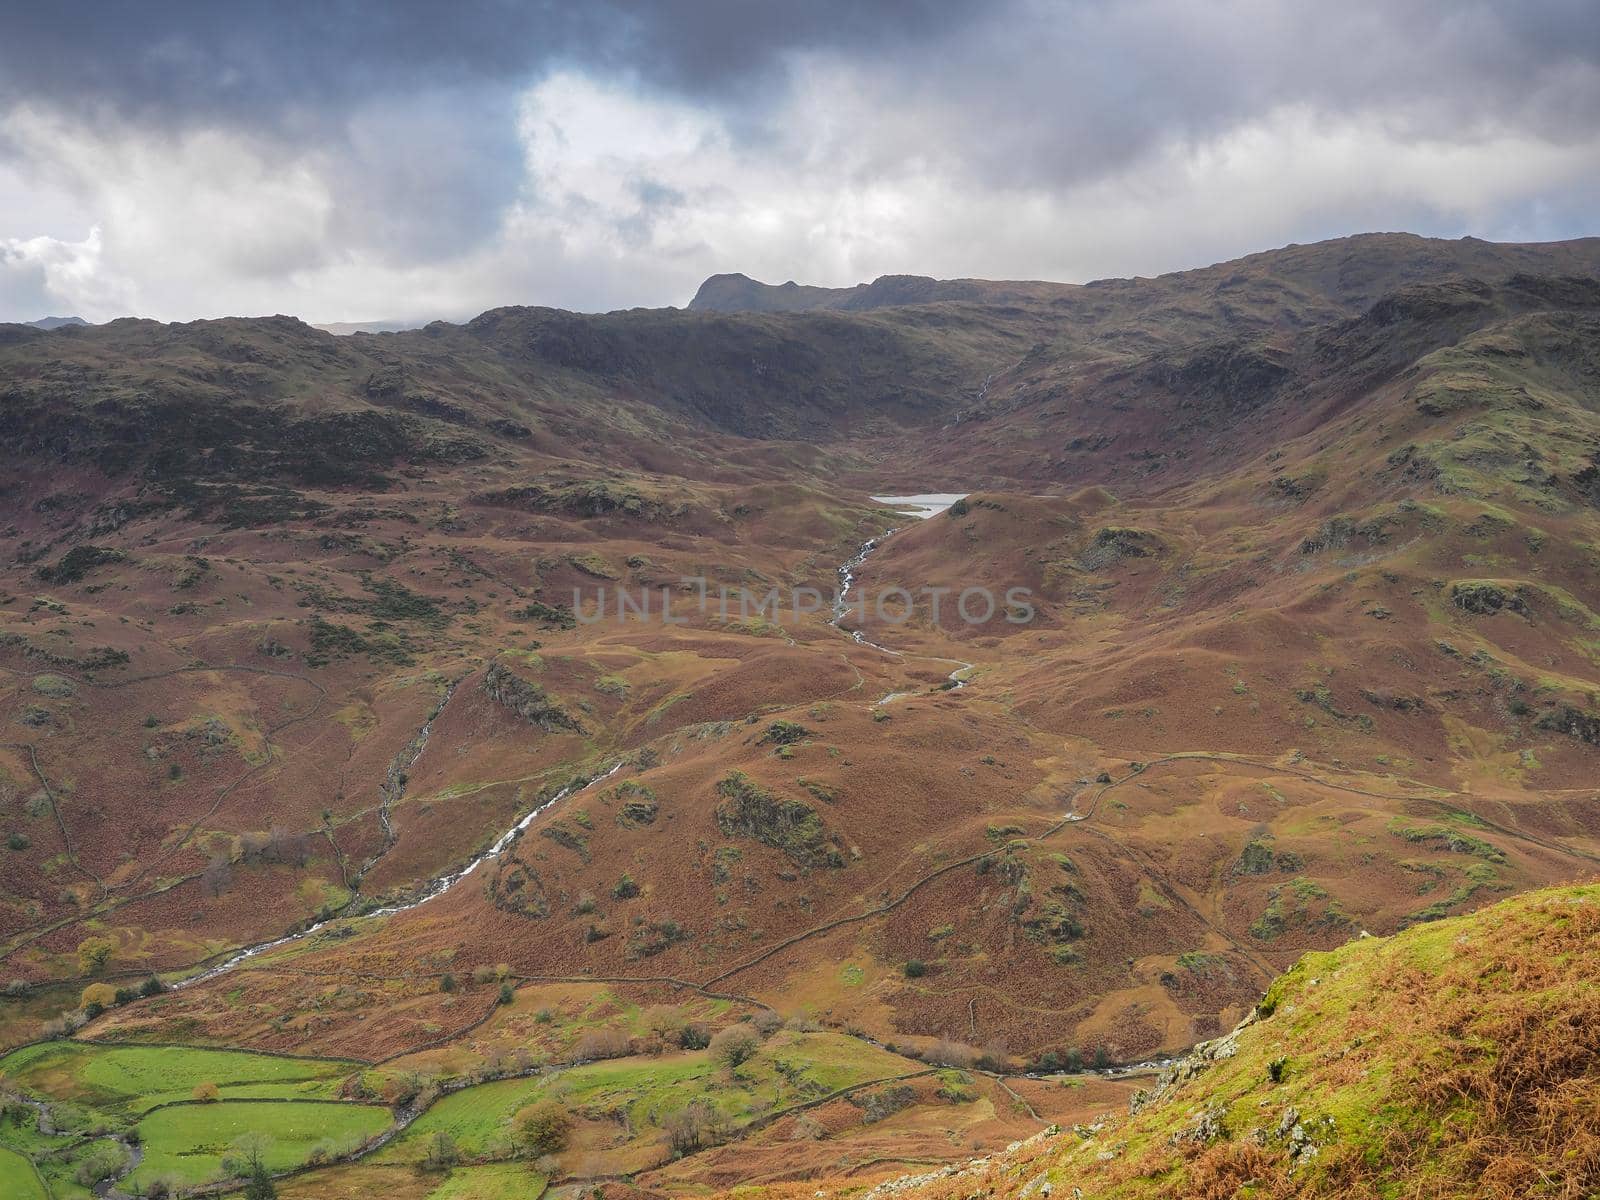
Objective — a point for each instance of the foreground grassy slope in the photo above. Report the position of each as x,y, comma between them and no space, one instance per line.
1460,1058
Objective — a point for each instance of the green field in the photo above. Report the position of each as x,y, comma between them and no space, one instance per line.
497,1181
55,1161
93,1088
479,1118
789,1069
126,1081
18,1179
188,1142
289,1103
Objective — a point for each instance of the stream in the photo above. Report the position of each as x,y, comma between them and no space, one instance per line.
435,887
921,506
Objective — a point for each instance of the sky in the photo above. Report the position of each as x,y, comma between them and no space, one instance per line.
356,161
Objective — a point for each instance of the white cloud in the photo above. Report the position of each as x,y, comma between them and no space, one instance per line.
629,196
57,277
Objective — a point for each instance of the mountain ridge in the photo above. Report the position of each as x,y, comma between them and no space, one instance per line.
1417,255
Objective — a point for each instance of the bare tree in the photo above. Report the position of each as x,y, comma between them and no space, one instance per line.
686,1129
602,1043
217,877
948,1053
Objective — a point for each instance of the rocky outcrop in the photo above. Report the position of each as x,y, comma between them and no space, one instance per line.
528,700
1196,1062
750,811
515,887
1483,599
1573,722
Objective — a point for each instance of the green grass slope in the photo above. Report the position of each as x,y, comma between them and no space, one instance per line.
1455,1059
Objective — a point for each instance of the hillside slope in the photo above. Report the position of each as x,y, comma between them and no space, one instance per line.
1457,1060
290,637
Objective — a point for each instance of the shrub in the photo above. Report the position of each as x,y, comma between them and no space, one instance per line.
447,982
206,1092
16,842
696,1035
507,993
151,987
97,997
734,1045
102,1162
93,952
543,1128
915,968
625,888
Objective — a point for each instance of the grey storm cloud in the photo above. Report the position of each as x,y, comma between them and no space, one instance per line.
288,64
411,101
293,65
1047,92
409,119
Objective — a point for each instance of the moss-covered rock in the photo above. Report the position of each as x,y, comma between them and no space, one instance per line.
1482,598
527,700
791,826
639,806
